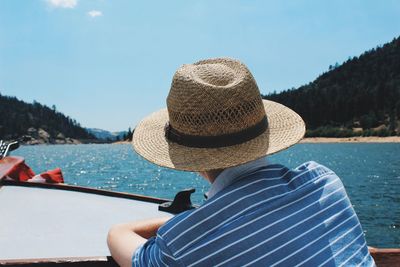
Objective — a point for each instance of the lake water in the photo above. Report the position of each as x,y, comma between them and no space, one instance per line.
370,172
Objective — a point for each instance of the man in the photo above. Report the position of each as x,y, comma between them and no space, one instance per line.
256,213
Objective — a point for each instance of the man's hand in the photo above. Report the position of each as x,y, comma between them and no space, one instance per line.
124,239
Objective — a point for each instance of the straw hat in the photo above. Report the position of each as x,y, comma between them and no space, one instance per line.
215,119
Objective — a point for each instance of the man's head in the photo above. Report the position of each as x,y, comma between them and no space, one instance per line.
215,119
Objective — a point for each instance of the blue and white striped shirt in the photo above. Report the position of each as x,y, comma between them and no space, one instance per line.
264,215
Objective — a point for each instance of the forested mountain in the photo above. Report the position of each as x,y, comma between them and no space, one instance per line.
37,123
359,97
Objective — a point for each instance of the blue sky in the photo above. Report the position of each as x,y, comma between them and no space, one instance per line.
108,63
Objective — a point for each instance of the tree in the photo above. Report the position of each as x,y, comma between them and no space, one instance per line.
129,134
392,121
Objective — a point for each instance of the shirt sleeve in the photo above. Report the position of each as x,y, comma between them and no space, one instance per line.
153,253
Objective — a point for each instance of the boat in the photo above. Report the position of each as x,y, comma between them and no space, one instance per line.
52,224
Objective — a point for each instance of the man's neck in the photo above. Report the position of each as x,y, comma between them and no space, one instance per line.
221,179
211,175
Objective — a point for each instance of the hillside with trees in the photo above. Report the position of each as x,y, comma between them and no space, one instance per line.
36,123
359,97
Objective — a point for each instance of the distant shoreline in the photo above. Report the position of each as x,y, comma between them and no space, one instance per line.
358,139
307,140
121,142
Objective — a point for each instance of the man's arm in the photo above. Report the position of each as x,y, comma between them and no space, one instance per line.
124,239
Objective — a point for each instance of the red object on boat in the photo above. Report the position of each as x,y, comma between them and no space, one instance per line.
53,176
16,169
20,171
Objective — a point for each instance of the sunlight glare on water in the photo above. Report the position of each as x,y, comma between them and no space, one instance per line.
370,173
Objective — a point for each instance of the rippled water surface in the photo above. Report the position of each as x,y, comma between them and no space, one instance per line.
370,172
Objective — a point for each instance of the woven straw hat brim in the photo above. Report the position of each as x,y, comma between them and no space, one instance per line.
285,128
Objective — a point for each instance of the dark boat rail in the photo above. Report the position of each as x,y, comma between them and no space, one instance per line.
383,257
106,261
180,203
89,190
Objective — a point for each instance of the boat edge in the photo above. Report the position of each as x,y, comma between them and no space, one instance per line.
83,189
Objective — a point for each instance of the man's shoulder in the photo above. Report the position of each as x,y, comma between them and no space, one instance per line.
312,166
292,177
311,171
309,167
